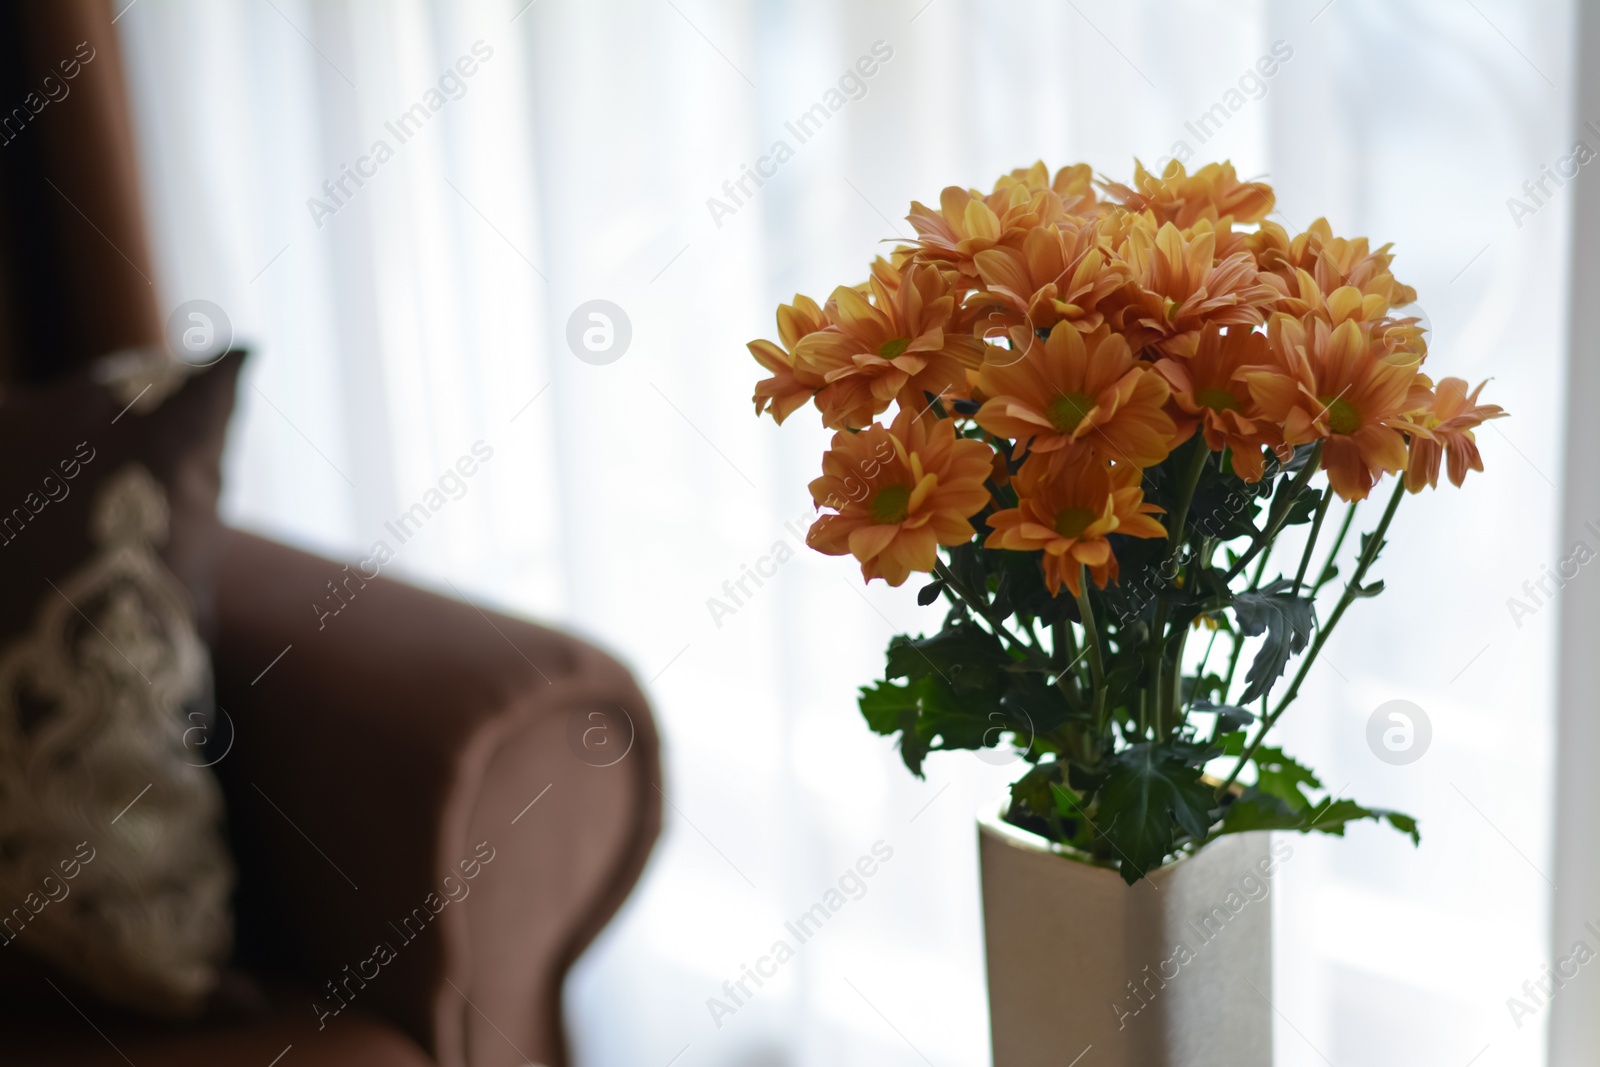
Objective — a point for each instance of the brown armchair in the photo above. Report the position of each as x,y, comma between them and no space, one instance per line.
373,752
411,773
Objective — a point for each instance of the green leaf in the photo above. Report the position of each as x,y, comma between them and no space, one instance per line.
1302,456
963,656
1404,823
1206,688
1148,797
1331,818
1000,606
1068,804
1286,620
1230,717
1224,507
1279,776
1303,509
1032,792
1086,778
1256,810
962,690
929,593
888,708
1124,678
1232,744
1031,698
1021,587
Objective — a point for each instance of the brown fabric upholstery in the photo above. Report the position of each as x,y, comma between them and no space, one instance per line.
75,265
62,1038
362,768
377,754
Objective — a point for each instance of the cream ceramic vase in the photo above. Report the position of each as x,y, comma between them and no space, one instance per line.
1174,971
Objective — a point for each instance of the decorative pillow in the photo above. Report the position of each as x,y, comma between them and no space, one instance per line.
113,871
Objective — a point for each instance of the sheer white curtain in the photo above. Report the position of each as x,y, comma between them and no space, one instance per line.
426,307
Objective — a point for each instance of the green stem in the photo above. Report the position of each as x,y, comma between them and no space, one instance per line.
1374,543
1200,671
1063,657
1097,666
1237,640
1328,569
1156,662
1261,568
1191,479
1063,647
1172,709
977,606
1311,539
1279,514
1202,562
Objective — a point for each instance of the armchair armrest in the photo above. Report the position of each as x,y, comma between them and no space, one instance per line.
426,820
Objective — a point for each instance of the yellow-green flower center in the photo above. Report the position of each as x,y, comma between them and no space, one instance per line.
894,348
1217,400
888,506
1070,522
1342,418
1067,411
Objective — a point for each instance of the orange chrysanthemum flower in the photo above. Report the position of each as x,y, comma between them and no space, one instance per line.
899,493
790,386
1307,298
1399,338
1060,274
1332,262
1211,395
1339,385
897,342
1179,287
1448,421
1089,335
1073,185
1065,509
1076,388
967,222
1213,192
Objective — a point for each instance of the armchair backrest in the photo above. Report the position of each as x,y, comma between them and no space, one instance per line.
76,273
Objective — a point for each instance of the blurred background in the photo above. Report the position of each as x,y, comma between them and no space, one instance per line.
401,319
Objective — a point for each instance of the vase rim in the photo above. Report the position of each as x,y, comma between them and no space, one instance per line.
992,821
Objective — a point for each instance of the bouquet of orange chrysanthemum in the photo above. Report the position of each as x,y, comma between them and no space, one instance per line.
1109,402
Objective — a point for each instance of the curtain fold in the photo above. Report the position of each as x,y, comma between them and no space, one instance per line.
584,161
